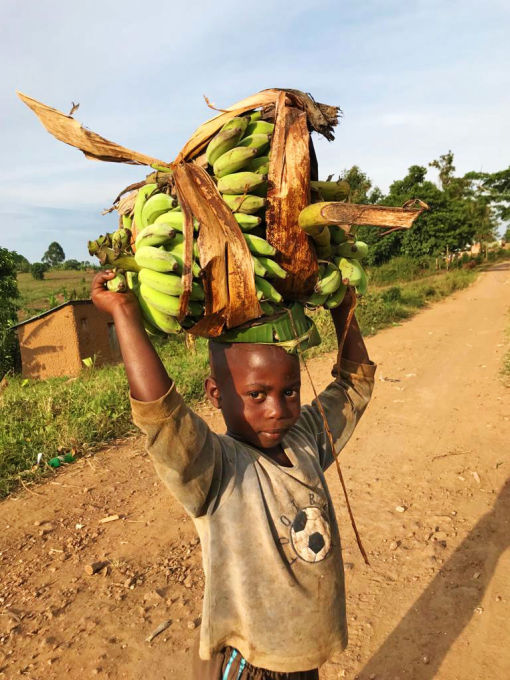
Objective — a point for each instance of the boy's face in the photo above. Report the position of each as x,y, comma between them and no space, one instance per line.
257,388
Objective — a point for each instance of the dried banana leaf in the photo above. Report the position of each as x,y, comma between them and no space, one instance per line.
66,129
287,196
229,283
320,117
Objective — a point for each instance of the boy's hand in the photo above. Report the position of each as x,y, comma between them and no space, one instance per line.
110,302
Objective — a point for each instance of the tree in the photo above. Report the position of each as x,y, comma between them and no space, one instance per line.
360,185
71,264
38,269
54,255
9,349
21,262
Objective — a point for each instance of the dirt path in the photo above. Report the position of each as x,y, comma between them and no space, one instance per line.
426,469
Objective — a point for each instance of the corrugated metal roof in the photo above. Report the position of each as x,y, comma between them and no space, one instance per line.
50,311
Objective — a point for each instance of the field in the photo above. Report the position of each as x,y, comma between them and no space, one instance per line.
56,287
85,413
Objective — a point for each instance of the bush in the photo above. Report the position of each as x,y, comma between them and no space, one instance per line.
401,268
9,349
38,269
393,294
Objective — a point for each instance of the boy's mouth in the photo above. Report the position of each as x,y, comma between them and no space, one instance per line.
274,435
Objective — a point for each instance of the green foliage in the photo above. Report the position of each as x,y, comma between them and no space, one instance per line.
71,264
21,262
54,255
9,350
84,413
38,270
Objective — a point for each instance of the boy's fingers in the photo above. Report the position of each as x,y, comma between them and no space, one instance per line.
100,279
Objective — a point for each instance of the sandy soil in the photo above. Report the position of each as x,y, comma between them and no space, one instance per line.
428,472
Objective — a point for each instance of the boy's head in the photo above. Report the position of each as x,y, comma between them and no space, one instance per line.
257,388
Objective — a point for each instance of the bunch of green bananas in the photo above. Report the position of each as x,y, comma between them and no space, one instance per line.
238,158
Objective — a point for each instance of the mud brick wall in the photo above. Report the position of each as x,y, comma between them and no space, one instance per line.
54,344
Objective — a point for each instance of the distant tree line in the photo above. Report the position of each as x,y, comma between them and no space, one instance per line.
463,210
53,258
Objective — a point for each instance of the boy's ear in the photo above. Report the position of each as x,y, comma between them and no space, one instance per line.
213,392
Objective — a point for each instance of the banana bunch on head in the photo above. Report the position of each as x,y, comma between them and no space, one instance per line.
238,159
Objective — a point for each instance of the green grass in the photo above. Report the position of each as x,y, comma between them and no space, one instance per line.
84,413
56,287
80,413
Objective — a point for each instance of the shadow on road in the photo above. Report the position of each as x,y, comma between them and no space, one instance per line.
417,646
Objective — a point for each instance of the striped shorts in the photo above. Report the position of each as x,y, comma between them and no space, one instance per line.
230,665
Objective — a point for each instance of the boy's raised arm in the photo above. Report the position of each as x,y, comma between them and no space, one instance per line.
354,348
147,377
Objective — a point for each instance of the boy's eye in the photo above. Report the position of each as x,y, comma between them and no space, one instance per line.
256,394
290,393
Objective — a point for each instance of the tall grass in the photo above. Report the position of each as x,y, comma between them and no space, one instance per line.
86,412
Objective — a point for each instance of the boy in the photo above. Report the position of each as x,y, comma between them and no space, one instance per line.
274,601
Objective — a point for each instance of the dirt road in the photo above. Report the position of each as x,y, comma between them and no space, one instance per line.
428,472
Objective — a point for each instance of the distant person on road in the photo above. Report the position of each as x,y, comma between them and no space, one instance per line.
274,601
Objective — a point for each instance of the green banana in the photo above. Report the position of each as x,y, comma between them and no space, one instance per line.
256,115
155,206
357,250
127,221
248,203
168,304
247,222
226,139
317,299
329,281
170,284
351,270
258,141
362,286
260,165
118,284
241,183
273,269
157,259
141,197
331,191
132,280
259,246
233,160
267,290
174,219
176,250
335,299
259,127
121,239
155,235
163,322
258,267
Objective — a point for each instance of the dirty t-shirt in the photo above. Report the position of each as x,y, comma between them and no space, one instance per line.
274,583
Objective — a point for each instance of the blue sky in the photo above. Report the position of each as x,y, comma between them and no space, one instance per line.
413,79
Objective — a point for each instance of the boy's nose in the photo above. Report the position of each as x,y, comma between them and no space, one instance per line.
278,409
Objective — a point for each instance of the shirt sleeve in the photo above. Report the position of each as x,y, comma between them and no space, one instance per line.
187,455
344,402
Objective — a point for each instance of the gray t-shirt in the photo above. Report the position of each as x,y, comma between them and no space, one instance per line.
274,582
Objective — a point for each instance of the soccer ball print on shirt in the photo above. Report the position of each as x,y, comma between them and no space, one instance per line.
310,534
